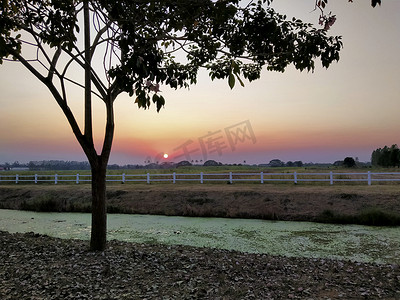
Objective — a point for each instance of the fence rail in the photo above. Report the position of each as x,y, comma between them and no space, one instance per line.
202,177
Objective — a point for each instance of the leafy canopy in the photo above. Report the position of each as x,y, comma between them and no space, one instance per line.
164,43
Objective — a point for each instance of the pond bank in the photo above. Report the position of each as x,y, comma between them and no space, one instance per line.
357,204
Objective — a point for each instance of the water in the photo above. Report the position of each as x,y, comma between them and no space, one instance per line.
303,239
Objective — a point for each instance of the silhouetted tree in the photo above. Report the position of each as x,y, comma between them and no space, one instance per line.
386,157
298,163
211,163
290,164
276,163
349,162
183,163
137,42
394,156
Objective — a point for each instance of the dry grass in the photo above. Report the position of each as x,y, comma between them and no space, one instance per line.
264,201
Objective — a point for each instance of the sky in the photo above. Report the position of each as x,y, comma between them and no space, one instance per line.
349,109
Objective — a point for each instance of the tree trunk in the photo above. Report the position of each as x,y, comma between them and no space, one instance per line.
99,207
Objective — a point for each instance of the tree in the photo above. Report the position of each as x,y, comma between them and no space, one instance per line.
137,42
349,162
276,163
386,157
211,163
394,155
298,163
290,164
183,163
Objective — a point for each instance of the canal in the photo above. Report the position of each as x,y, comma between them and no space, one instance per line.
300,239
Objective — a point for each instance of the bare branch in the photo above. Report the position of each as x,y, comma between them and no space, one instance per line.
95,79
27,65
13,60
88,131
40,49
98,37
53,69
64,92
81,86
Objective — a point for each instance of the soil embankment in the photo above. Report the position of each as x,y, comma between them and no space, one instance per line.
341,203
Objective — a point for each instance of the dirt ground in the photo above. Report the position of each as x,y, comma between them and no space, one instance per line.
264,201
33,266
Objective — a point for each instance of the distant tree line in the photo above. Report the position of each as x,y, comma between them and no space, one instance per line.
54,165
386,156
279,163
58,165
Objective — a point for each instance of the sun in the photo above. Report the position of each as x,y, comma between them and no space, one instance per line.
165,155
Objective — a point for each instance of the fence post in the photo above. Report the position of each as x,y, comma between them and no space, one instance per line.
35,178
331,177
77,178
148,177
55,179
173,177
262,177
295,177
123,177
369,178
201,177
230,177
16,178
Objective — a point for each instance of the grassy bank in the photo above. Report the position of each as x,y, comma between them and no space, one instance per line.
370,205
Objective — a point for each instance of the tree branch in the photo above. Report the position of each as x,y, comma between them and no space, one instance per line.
109,132
29,66
88,74
86,146
98,36
95,79
53,64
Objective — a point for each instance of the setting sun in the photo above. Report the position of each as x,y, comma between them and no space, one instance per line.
165,155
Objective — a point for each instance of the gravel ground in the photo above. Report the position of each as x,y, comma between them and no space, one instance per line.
40,267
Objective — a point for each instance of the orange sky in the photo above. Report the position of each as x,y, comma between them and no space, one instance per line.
348,110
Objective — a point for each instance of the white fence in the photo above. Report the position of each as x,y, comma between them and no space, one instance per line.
202,177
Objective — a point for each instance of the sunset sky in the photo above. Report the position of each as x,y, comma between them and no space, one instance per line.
349,109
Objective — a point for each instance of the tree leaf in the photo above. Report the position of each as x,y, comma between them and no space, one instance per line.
231,80
160,103
155,98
